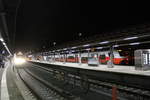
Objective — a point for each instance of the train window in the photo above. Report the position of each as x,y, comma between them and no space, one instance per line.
124,53
70,57
76,55
102,57
92,55
84,58
112,54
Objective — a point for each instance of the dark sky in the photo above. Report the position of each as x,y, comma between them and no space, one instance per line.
41,22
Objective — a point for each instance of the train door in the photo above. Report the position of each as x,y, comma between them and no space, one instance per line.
102,58
84,57
71,58
76,58
59,57
79,56
65,58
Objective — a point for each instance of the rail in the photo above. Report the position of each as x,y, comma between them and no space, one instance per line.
41,89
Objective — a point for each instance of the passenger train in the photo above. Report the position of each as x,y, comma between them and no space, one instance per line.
102,57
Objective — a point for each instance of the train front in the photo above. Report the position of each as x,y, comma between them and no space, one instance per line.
19,59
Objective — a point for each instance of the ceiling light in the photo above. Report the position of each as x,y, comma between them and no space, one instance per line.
130,38
136,43
104,42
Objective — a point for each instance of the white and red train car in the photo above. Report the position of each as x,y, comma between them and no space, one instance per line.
117,58
103,57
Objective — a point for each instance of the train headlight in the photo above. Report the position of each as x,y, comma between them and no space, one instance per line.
19,61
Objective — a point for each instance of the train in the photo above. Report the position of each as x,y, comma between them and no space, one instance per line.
19,58
102,57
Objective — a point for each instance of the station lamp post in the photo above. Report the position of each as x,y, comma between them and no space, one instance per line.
54,43
4,44
64,58
80,57
111,55
80,34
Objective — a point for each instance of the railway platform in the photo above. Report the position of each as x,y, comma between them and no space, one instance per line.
117,68
12,88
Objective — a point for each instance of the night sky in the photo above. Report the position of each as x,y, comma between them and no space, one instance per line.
42,22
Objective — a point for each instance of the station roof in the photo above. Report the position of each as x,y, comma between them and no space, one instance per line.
131,36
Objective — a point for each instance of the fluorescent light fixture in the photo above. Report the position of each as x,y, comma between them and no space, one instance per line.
116,46
1,39
60,49
87,49
86,45
74,47
4,43
72,50
119,50
104,42
65,49
130,38
99,48
136,43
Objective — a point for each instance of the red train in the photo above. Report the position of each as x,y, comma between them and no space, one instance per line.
102,57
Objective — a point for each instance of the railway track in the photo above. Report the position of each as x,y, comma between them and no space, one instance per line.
76,80
43,90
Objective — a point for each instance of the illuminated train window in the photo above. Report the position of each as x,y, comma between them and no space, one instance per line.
102,57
